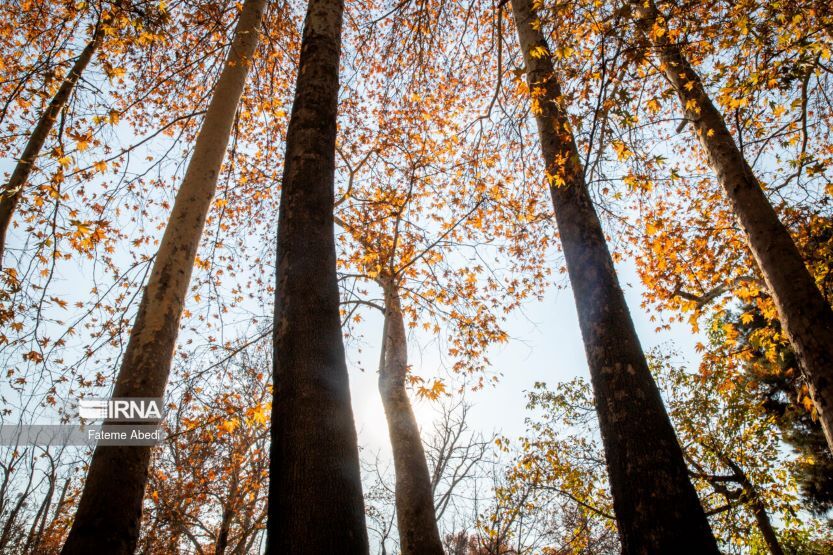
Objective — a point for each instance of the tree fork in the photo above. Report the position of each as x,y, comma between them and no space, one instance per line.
656,506
110,510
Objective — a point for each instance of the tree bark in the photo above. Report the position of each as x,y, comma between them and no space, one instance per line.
804,313
228,513
110,509
656,506
764,523
750,495
315,494
13,189
415,517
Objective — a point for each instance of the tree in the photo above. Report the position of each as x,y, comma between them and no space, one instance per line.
418,531
109,512
459,461
14,187
769,365
732,447
109,20
37,484
421,218
656,505
733,452
314,468
208,482
744,330
805,315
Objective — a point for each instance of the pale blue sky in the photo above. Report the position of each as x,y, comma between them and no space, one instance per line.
545,345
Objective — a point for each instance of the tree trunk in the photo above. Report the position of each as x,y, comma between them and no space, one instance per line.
39,520
228,513
110,510
13,190
415,517
750,495
764,524
804,313
315,494
657,509
11,516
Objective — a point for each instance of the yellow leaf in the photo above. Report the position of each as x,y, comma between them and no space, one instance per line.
539,52
622,150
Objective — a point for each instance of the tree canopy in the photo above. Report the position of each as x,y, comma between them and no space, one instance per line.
331,235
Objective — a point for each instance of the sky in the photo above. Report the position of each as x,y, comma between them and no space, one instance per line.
545,346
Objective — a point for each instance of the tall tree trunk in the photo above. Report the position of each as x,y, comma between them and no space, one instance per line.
110,510
315,493
415,517
803,311
13,189
657,509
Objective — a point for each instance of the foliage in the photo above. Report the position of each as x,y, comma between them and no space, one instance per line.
437,192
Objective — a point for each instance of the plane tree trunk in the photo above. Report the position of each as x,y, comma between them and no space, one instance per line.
656,506
804,313
415,517
110,510
13,189
315,494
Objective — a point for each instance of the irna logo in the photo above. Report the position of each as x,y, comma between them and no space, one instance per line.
120,409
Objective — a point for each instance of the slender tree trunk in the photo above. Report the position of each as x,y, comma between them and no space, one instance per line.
40,517
762,519
415,517
803,311
11,516
62,501
657,509
750,496
13,189
228,515
110,510
36,541
315,493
